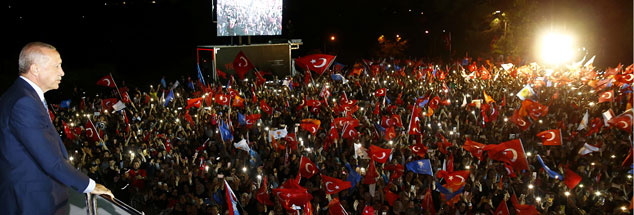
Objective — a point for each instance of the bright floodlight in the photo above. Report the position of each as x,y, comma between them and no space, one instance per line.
556,48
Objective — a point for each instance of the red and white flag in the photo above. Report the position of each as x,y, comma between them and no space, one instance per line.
334,185
623,121
379,154
307,168
242,65
607,96
325,93
502,209
510,151
475,148
263,194
265,107
419,149
550,137
222,99
520,121
414,122
107,81
380,92
316,62
310,126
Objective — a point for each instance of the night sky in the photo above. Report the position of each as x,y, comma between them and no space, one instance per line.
141,40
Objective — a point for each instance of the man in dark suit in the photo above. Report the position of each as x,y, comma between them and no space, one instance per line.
34,166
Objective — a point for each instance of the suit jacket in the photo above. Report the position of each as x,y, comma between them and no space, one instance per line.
34,167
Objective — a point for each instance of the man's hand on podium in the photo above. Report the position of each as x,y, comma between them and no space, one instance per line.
100,189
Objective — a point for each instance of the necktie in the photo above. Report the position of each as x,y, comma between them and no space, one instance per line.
47,112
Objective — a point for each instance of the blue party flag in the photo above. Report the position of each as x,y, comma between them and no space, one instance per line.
422,166
550,172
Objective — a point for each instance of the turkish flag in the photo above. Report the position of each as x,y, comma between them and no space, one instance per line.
379,154
390,133
625,78
371,174
316,62
390,197
350,109
442,146
380,92
519,121
510,151
595,126
342,122
550,137
307,168
334,185
91,132
265,107
571,179
335,207
106,81
196,102
368,210
533,109
313,103
189,118
333,134
502,209
350,133
433,104
419,149
222,99
251,119
292,140
607,96
310,127
108,103
414,123
293,196
455,179
475,148
242,65
67,131
263,195
428,202
125,97
523,209
325,93
622,121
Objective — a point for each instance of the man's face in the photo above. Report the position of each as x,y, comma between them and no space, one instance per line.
49,70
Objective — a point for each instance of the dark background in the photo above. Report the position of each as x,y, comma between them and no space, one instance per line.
141,41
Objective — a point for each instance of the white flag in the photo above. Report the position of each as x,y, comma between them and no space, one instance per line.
118,106
587,149
242,145
277,134
584,122
607,116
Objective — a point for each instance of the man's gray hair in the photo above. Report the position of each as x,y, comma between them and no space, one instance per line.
31,53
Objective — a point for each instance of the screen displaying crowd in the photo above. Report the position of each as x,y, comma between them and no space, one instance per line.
249,17
383,136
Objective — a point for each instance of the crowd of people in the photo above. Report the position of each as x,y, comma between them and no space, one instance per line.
247,17
178,148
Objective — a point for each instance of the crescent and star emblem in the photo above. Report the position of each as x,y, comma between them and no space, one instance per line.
328,187
607,95
624,123
416,149
351,133
313,130
246,63
108,80
308,169
552,136
629,77
382,156
514,154
521,122
461,178
89,130
322,64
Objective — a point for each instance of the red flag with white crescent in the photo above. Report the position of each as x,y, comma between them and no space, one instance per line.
510,151
334,185
550,137
242,65
307,168
106,81
379,154
316,62
622,121
607,96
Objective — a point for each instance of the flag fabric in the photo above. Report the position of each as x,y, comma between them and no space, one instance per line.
225,133
549,171
520,121
200,75
454,179
334,185
571,179
550,137
307,168
195,102
353,176
339,77
232,201
222,99
487,98
163,83
607,115
106,104
420,167
310,127
106,81
523,209
278,134
446,192
414,123
390,197
584,122
419,149
380,92
169,97
316,62
325,93
587,149
502,209
265,107
607,96
510,151
475,148
379,154
263,195
428,202
335,207
622,121
368,210
118,106
67,131
65,104
526,92
242,145
371,174
242,65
